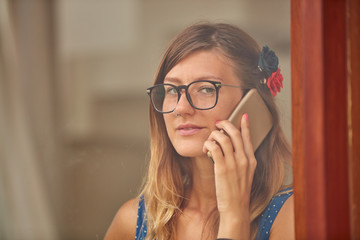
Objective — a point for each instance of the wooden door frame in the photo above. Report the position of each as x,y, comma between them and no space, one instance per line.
353,79
325,117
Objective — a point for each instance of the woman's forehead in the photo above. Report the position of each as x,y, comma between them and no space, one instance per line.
202,65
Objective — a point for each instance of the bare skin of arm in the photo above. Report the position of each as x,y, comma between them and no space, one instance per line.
284,224
123,225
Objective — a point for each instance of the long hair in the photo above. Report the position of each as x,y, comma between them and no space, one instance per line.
169,175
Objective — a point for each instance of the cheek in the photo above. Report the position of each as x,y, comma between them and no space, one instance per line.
224,108
168,120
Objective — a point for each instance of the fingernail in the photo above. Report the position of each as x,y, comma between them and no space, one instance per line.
246,116
217,122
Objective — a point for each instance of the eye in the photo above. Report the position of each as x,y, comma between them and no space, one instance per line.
207,89
171,90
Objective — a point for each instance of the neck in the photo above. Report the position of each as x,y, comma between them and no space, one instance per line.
202,196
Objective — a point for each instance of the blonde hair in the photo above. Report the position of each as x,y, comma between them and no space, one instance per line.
169,175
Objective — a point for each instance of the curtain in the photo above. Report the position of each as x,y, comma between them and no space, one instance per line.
27,145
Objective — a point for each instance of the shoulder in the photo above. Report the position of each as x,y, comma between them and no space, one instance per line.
123,225
284,224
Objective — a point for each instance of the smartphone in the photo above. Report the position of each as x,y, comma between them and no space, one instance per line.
260,119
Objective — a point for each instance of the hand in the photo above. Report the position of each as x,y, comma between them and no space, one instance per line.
234,166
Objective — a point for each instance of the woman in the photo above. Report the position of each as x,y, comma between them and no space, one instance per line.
238,194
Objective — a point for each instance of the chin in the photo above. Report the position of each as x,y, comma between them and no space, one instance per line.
189,150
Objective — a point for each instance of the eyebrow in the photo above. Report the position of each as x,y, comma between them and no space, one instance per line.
171,80
206,77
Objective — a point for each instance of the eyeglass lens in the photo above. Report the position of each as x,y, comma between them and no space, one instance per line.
202,95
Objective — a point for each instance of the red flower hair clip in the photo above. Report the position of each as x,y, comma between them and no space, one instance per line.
274,82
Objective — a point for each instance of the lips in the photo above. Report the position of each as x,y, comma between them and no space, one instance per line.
188,129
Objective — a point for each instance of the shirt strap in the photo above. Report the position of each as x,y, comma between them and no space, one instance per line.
268,216
141,228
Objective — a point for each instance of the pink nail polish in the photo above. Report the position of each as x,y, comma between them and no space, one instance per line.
246,116
217,122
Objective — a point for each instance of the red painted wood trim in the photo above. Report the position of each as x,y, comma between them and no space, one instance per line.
318,42
308,132
314,150
297,120
354,114
336,130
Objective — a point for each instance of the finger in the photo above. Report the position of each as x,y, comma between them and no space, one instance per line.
235,136
213,149
245,133
225,144
243,162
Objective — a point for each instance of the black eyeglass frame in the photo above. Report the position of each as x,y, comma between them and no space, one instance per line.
178,89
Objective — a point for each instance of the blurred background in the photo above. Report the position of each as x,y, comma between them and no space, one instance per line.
73,107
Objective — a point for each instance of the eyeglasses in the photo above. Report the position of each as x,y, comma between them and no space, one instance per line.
202,95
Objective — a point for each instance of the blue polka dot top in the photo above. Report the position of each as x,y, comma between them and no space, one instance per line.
266,220
141,229
268,216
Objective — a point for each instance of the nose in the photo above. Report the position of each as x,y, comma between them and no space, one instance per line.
183,107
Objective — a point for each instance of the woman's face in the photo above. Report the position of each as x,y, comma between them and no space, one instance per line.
188,128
